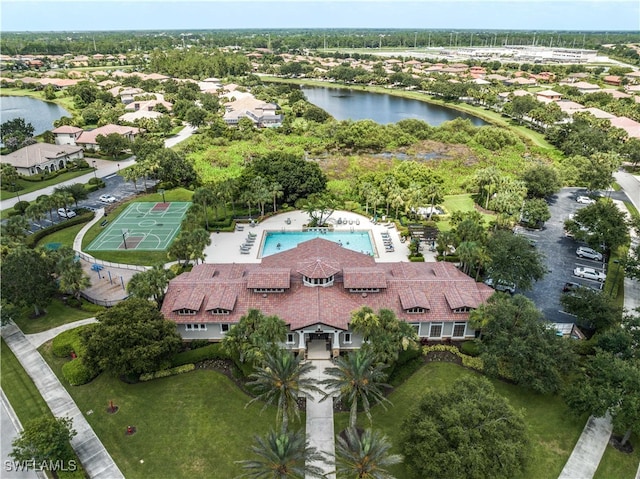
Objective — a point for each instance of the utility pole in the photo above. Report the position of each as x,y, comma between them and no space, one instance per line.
415,40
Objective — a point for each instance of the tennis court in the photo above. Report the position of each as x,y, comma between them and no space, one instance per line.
146,226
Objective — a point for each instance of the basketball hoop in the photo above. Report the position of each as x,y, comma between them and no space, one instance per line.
125,233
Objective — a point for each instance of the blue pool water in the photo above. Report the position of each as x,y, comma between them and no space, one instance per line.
357,240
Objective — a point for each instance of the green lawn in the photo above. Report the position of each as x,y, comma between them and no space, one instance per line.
19,388
553,430
192,425
30,186
619,465
57,314
460,203
64,236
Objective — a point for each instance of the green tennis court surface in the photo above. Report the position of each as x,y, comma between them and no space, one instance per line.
142,226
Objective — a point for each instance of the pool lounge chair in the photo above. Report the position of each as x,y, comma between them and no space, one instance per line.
245,251
239,227
389,250
245,246
252,235
250,239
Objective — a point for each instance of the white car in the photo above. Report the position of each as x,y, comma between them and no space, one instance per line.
589,273
66,213
584,252
585,200
107,199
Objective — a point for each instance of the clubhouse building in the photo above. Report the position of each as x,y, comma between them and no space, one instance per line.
315,287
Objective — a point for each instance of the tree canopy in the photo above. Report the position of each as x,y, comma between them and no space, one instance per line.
131,338
255,336
45,439
512,260
516,343
467,431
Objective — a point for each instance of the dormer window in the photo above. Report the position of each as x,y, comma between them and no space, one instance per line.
219,311
318,281
416,310
464,309
186,312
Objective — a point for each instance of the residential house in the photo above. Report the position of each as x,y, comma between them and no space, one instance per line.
245,105
614,80
315,287
41,158
88,139
632,127
548,96
66,134
583,86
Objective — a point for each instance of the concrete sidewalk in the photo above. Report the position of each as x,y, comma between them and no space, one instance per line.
319,424
587,453
38,339
92,454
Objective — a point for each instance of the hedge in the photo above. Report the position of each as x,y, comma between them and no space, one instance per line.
212,351
33,239
164,373
77,373
467,361
470,348
67,342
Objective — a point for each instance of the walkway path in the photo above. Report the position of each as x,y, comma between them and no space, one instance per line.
92,454
38,339
319,425
587,453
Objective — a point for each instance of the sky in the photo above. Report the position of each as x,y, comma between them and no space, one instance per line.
57,15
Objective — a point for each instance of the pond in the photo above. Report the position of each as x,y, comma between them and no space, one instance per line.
41,114
345,104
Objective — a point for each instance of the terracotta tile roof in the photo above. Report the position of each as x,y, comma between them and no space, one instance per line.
317,268
369,278
301,306
222,297
66,129
270,278
188,299
413,298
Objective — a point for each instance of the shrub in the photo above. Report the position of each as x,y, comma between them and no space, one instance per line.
198,343
163,373
66,342
416,259
470,348
77,372
91,188
467,361
212,351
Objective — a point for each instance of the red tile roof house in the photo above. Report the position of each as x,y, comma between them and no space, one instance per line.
88,139
42,158
315,287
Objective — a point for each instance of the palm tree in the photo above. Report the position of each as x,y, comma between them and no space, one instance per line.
356,378
282,456
364,456
280,381
36,211
276,192
151,283
206,197
71,277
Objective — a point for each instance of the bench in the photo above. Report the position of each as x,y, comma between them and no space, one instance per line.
104,223
96,267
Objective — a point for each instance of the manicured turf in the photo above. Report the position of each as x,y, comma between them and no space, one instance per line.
191,425
31,186
57,314
459,203
19,388
553,430
615,464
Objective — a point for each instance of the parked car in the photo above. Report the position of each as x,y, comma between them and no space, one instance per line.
501,286
585,200
107,199
589,273
66,213
570,286
584,252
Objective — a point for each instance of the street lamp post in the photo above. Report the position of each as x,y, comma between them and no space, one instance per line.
94,170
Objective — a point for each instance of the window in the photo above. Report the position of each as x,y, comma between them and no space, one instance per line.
416,328
347,338
364,290
195,327
290,338
435,330
224,328
459,329
268,290
416,310
219,311
186,312
464,309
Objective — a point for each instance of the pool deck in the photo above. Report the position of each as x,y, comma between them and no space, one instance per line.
225,247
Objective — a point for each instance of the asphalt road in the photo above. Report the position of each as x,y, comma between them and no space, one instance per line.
560,256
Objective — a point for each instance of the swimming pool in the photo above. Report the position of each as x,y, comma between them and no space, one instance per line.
277,241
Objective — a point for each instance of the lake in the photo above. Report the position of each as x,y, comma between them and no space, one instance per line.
41,114
345,104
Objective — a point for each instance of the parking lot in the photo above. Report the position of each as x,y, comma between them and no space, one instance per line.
561,258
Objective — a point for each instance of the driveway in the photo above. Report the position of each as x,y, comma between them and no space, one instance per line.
561,259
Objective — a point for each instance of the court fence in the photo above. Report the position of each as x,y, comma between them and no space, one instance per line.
91,259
